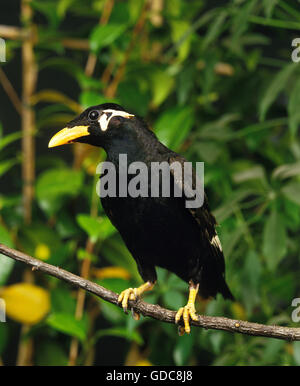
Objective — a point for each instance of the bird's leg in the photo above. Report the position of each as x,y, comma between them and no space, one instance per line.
189,310
132,294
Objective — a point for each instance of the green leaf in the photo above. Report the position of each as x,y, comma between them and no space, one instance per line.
8,139
67,324
6,264
293,109
274,240
252,268
105,35
296,347
62,301
96,228
91,98
69,66
114,284
173,126
111,313
48,9
183,349
50,353
6,165
254,172
231,204
250,276
115,251
55,184
269,7
4,336
240,22
214,30
288,170
58,182
173,299
42,242
272,350
216,339
133,97
121,333
292,191
276,86
179,29
63,6
162,85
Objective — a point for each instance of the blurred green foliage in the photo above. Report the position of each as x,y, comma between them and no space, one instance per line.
217,84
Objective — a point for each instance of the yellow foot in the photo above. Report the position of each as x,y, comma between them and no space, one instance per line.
132,294
186,313
128,294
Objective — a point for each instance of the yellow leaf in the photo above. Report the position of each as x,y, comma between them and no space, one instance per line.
42,252
111,272
91,160
143,362
289,348
56,97
238,311
26,303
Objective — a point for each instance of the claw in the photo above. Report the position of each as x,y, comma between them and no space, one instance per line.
128,294
135,315
187,312
132,294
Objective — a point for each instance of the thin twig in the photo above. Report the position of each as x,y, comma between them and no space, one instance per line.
28,118
10,91
17,33
92,58
29,77
155,311
86,264
85,269
14,33
76,44
111,90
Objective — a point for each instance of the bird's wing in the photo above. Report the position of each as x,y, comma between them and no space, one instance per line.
202,215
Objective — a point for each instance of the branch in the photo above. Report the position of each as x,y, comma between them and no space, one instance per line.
151,310
111,90
17,33
10,91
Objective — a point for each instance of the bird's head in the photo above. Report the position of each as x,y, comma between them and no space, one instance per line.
94,126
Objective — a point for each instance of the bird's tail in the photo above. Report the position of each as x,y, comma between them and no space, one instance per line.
225,291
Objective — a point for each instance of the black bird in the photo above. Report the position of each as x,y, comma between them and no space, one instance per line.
158,231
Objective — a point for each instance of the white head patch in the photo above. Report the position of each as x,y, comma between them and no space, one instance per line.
108,114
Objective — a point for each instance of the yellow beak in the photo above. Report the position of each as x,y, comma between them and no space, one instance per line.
68,135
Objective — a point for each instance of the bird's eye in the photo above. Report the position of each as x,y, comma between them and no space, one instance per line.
93,115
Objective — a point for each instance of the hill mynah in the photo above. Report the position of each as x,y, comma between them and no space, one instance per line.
157,230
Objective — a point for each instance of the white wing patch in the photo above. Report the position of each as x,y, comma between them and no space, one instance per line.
108,114
216,242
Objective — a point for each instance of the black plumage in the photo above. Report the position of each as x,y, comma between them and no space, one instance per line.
158,231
